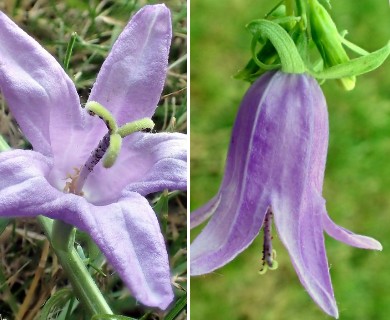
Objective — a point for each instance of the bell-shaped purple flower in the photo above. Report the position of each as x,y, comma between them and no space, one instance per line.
113,209
276,163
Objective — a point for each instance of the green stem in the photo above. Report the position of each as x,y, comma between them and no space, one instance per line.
63,236
83,285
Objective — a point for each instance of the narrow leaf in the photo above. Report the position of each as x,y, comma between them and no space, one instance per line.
356,66
179,306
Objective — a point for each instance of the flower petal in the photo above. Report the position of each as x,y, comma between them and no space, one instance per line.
127,231
129,235
244,196
40,95
232,228
299,226
348,237
147,163
18,171
203,213
132,77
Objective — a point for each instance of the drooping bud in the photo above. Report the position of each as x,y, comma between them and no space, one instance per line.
328,40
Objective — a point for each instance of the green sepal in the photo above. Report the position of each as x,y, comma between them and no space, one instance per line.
113,150
291,61
355,66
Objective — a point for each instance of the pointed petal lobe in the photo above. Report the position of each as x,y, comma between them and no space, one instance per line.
132,77
299,226
129,235
203,213
40,95
348,237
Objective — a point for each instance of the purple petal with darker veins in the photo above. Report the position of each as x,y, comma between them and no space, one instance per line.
299,225
40,95
127,231
244,195
132,77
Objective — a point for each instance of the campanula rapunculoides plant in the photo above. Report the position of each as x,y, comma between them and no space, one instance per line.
104,198
277,154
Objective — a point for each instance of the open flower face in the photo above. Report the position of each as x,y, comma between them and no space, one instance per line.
111,207
276,164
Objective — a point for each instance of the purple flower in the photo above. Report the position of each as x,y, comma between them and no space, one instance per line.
113,210
275,166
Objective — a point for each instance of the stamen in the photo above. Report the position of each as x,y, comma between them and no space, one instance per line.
269,254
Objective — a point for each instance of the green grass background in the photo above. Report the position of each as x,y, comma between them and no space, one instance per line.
357,183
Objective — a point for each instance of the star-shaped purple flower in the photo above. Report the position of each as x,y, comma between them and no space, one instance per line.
113,209
275,166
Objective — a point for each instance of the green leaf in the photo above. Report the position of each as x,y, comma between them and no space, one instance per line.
356,66
69,49
179,306
55,303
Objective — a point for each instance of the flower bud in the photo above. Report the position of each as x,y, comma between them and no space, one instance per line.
327,39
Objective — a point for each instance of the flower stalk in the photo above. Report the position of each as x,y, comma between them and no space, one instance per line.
83,285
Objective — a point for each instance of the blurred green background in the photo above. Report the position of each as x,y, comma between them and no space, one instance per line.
357,183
